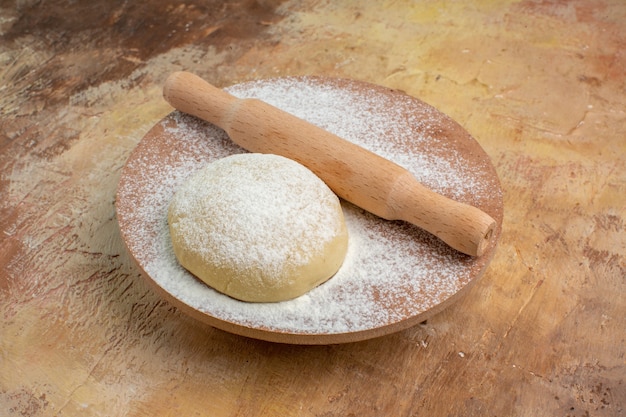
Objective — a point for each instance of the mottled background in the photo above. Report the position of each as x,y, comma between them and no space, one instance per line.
540,84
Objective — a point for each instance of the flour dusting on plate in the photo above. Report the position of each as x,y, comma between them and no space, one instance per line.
393,271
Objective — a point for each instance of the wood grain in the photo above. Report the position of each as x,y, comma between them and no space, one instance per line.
539,84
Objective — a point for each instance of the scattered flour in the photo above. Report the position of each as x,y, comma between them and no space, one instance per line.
393,271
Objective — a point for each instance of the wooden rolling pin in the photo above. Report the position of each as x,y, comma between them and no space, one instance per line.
353,173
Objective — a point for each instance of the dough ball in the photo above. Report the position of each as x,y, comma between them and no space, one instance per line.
258,227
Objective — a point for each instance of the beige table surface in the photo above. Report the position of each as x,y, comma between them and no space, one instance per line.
540,84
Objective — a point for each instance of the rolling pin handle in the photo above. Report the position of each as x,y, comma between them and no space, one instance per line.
461,226
190,94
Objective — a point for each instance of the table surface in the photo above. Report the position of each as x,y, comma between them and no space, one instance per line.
541,86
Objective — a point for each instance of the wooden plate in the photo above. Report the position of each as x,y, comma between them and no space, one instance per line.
394,275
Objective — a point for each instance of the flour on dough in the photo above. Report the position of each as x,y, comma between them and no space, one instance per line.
258,227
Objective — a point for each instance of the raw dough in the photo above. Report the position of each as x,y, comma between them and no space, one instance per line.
258,227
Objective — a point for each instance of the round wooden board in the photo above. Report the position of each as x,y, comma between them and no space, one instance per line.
394,276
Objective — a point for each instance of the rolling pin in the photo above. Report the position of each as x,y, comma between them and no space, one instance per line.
355,174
